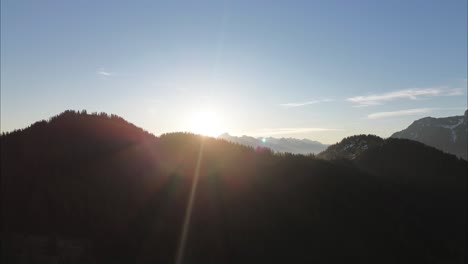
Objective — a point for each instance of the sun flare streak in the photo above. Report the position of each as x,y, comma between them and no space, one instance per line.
188,211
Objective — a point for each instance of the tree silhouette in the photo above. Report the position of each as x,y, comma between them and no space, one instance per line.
120,193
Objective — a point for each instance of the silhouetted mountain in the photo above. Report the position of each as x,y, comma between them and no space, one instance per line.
448,134
96,189
351,147
416,175
284,145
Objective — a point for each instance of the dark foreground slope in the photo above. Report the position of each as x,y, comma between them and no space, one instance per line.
428,186
91,189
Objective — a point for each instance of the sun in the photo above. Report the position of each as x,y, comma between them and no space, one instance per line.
205,123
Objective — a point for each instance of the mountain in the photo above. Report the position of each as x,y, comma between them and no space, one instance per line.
350,147
395,158
415,174
93,188
448,134
284,145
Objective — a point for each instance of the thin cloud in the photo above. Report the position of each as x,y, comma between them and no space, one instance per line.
105,73
295,130
291,105
455,91
412,94
406,112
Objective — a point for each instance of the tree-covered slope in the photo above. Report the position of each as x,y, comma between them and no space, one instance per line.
112,192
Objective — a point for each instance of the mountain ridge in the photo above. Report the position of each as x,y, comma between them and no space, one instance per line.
447,133
281,145
127,196
351,147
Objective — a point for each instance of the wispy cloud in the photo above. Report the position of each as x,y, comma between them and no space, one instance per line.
291,105
412,94
105,73
294,130
455,91
406,112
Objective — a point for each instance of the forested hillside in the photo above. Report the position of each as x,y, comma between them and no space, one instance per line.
93,188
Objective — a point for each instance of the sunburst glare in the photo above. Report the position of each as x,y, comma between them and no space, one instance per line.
206,123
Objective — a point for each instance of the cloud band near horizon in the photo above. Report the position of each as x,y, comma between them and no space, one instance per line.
297,130
411,94
406,112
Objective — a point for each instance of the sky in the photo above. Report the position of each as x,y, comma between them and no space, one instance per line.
321,70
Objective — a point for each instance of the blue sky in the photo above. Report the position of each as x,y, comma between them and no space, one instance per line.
307,69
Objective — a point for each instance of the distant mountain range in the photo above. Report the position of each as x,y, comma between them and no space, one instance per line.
448,134
285,145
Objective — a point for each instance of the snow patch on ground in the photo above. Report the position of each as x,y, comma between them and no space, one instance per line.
452,127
